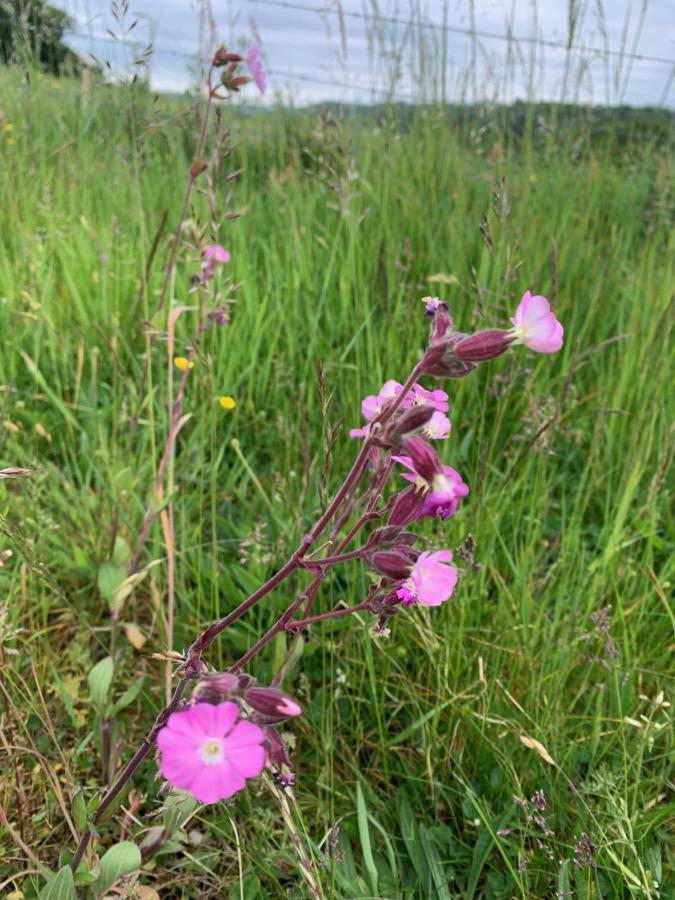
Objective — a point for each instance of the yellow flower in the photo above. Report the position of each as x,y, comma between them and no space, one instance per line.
182,363
11,141
227,403
8,127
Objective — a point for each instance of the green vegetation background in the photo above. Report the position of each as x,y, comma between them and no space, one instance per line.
411,744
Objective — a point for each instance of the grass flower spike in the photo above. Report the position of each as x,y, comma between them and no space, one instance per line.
205,751
536,326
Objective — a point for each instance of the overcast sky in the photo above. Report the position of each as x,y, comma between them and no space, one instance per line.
311,59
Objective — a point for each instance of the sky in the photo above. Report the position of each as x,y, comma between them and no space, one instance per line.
311,58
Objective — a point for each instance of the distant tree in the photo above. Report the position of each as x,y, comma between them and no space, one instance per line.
31,31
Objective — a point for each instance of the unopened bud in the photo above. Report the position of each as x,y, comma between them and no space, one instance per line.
407,507
218,687
271,704
394,563
390,535
235,83
411,420
437,310
277,758
483,345
423,456
221,57
442,361
197,168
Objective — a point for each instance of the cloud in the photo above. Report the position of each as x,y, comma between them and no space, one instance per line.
303,49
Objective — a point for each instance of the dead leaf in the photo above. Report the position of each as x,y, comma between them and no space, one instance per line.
134,635
539,747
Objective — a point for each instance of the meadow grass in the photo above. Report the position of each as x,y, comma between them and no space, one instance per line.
409,753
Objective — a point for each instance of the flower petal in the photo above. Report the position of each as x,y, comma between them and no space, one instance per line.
247,761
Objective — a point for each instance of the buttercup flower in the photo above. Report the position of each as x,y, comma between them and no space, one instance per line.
536,326
182,363
256,67
431,582
442,492
204,752
227,403
8,127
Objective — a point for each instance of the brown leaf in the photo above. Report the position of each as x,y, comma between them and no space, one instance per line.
134,635
539,747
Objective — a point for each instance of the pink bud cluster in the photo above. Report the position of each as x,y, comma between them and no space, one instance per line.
229,63
454,354
436,489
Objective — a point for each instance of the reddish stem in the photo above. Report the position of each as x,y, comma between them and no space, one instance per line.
333,614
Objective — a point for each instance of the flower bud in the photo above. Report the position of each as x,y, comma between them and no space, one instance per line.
221,57
483,345
407,507
392,534
198,167
437,310
422,455
394,563
442,361
411,420
235,83
271,704
277,757
217,687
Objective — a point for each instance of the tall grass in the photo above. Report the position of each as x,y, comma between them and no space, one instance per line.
410,751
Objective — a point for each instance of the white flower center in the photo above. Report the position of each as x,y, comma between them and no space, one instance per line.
441,484
211,751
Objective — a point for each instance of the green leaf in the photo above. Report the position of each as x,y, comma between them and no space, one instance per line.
99,680
79,811
564,878
364,836
178,807
120,860
60,887
125,589
121,552
409,833
110,578
128,696
438,875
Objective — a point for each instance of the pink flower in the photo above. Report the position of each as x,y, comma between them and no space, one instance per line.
204,752
214,255
431,581
373,405
256,67
442,492
438,399
438,426
536,326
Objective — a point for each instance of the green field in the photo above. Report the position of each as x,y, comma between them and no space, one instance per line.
409,753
